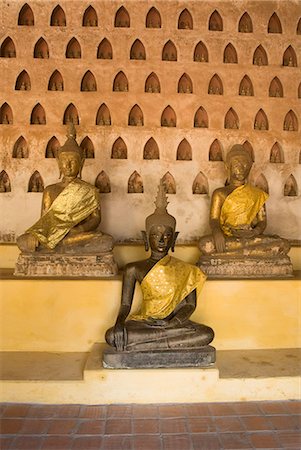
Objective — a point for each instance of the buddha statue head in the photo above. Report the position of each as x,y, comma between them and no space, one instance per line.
238,164
70,156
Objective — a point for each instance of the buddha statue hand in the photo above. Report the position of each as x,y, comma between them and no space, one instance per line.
120,336
219,239
27,243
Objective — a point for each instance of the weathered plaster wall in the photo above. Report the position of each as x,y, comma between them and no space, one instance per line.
123,213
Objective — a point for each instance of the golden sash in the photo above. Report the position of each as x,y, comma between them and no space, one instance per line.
241,207
74,204
166,285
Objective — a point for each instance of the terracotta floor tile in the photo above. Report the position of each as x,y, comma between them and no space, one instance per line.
43,411
177,442
147,442
246,408
256,423
271,407
87,443
171,411
34,426
62,426
229,423
234,441
198,409
57,443
293,406
95,426
5,442
119,411
145,426
118,426
289,422
68,411
117,443
141,411
10,426
205,441
290,439
221,409
266,440
16,410
93,412
201,425
173,426
27,443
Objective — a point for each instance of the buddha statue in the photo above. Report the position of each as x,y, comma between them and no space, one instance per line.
238,220
169,296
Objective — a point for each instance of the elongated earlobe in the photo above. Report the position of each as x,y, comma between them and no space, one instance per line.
145,240
174,241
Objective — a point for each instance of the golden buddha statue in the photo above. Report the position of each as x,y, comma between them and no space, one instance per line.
169,296
238,220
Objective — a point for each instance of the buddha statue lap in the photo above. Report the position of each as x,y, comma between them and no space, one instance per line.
237,246
160,334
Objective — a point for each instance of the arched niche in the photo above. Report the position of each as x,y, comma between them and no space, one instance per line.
260,57
120,83
215,151
276,154
122,18
38,116
168,117
247,146
262,183
169,52
290,187
215,22
23,82
20,149
289,57
245,24
200,118
52,147
6,114
152,84
58,17
200,184
215,86
90,18
274,25
153,18
299,90
103,116
135,184
71,115
185,21
56,82
87,147
298,30
200,53
103,183
119,149
5,185
230,55
151,150
137,50
136,117
231,120
275,89
184,151
290,122
41,49
185,84
169,183
26,16
105,50
246,86
261,121
8,49
35,183
88,82
73,49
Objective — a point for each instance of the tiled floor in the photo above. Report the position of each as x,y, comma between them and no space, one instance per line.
208,426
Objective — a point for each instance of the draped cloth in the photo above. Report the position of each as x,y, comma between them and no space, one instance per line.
241,207
74,204
166,285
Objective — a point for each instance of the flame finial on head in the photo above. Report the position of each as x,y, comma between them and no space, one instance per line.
160,216
71,131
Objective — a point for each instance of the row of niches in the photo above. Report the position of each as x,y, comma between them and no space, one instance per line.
152,84
153,19
136,117
151,150
135,184
138,52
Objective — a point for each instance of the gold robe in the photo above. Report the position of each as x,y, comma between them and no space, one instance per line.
241,207
74,204
166,285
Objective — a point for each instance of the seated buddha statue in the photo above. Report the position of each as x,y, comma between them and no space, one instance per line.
238,215
168,294
70,210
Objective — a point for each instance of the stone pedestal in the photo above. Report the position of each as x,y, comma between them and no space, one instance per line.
246,267
153,359
64,265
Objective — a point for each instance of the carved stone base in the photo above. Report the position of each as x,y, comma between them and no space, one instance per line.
154,359
247,267
63,265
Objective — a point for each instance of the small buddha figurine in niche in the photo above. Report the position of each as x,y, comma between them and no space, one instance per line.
169,298
237,246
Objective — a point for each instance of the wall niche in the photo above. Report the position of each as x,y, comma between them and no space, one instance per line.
136,117
201,118
120,83
6,114
168,117
87,147
169,183
20,149
230,55
35,183
153,18
8,49
71,115
23,82
41,49
290,122
185,84
275,89
185,21
215,86
105,50
122,18
103,116
103,183
276,155
299,91
215,22
245,24
5,185
26,16
261,121
184,151
119,149
58,17
52,147
260,57
169,52
137,50
200,184
298,31
262,183
152,84
215,151
274,25
247,146
290,187
73,49
289,57
88,83
201,53
246,87
151,150
231,120
38,116
56,82
90,18
135,184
